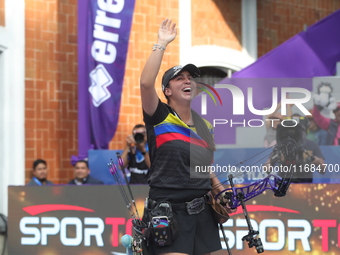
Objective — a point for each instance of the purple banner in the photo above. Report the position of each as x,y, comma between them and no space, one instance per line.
247,101
103,37
311,53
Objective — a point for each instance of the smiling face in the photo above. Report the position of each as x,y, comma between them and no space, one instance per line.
182,87
81,170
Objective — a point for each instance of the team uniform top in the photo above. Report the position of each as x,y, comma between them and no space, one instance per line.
175,150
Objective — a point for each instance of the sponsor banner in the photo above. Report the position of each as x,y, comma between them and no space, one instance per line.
103,36
83,220
77,220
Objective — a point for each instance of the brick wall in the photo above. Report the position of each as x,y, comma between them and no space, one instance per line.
51,62
2,13
146,20
282,19
147,17
217,22
51,85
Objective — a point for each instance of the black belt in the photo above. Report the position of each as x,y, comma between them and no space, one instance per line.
195,206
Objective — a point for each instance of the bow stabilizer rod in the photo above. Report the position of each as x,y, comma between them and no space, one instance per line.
251,236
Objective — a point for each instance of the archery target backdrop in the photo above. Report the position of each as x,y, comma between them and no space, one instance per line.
83,220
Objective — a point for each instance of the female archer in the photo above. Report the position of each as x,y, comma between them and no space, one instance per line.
179,139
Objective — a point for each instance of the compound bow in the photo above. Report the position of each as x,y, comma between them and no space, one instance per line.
234,197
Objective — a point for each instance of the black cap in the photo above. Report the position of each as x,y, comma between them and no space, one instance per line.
174,71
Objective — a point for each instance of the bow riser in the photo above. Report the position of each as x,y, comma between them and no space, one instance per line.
271,182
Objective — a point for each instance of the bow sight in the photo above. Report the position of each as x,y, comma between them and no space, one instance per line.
240,196
293,130
235,196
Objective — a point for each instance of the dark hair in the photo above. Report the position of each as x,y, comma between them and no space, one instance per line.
324,84
203,131
37,162
296,115
82,161
138,126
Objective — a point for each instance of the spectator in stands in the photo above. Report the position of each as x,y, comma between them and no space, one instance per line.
136,155
39,174
82,174
332,126
314,132
271,125
272,121
308,154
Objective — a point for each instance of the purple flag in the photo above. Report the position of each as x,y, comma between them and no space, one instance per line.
309,54
103,37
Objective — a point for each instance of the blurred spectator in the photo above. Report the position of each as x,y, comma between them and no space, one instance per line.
271,125
272,121
39,174
136,155
82,174
308,154
314,132
332,126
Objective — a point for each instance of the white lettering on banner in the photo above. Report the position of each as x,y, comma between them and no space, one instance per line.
282,234
100,33
239,102
115,6
30,231
52,226
96,232
69,241
38,230
299,235
103,50
45,231
102,19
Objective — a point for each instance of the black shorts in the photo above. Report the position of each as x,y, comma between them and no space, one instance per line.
198,233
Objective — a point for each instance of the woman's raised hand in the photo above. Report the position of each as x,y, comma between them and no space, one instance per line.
167,32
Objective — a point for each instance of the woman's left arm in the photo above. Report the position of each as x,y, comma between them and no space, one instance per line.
216,185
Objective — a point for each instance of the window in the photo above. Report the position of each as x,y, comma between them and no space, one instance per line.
214,74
